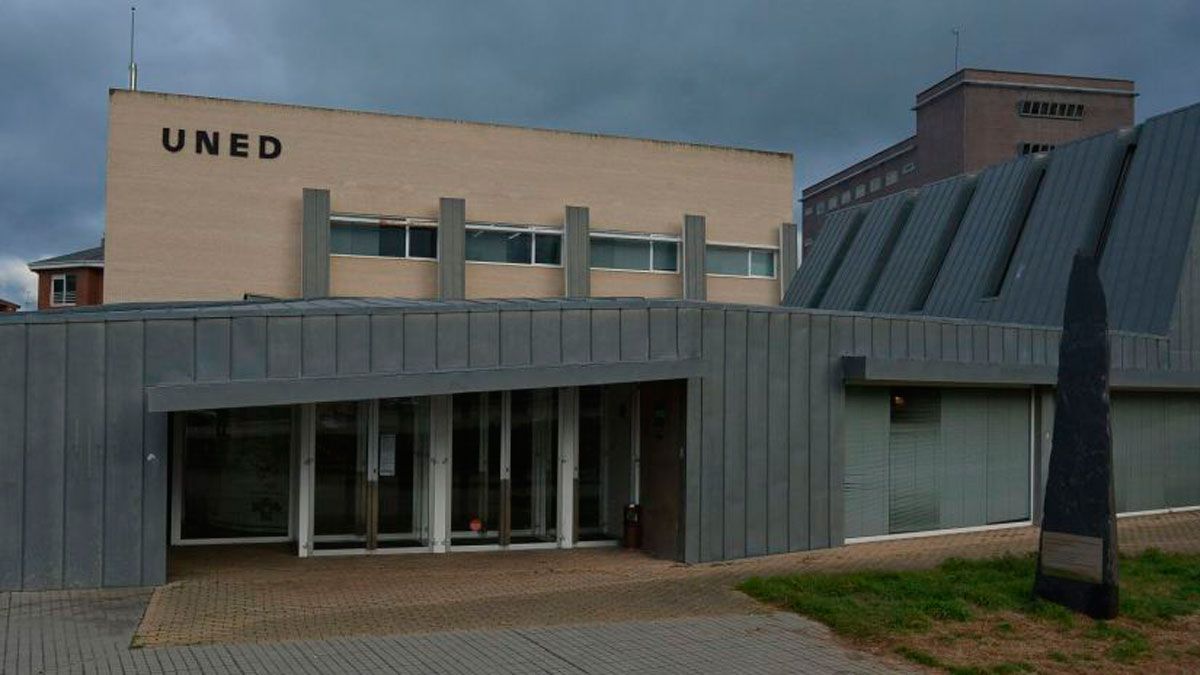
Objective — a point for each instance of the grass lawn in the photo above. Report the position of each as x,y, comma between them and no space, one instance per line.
979,616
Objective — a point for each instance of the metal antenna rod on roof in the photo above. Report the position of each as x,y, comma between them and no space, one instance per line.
132,63
955,31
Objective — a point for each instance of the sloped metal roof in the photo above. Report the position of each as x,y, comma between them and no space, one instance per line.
1130,196
974,264
825,258
1066,216
88,256
1153,223
921,246
860,267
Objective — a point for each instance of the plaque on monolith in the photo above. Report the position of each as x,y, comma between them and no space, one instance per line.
1077,555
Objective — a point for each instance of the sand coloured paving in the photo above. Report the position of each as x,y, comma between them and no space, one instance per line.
254,594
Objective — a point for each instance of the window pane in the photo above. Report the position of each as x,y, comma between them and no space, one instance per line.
365,241
666,256
762,263
236,472
549,249
620,254
341,239
70,284
391,242
422,242
727,260
511,247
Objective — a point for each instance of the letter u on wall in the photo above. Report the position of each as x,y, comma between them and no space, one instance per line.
177,145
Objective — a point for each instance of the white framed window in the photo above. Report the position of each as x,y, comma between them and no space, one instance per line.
908,168
383,237
514,244
740,261
62,290
634,252
808,210
876,184
820,208
891,177
833,203
860,191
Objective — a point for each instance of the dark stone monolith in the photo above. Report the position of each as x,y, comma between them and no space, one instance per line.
1077,556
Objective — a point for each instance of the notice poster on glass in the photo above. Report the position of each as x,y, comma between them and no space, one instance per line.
387,454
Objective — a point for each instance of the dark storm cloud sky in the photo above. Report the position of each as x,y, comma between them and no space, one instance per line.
828,81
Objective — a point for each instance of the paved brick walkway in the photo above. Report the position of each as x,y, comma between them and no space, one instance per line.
255,594
258,609
89,632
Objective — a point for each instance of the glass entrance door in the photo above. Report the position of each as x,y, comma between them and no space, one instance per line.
476,502
340,499
534,466
402,470
505,461
371,474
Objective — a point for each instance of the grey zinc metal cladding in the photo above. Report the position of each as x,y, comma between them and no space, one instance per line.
985,238
809,284
1067,216
921,246
862,264
1131,195
764,395
1149,237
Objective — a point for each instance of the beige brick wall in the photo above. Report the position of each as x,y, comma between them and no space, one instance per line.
194,226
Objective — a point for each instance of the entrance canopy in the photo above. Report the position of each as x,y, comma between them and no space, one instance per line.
307,351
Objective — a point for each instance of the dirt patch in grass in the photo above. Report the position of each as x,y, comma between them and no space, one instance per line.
1009,642
980,616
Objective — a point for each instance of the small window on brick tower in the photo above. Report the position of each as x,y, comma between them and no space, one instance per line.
62,290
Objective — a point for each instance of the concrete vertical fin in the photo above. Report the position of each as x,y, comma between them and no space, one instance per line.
314,242
577,265
452,249
695,281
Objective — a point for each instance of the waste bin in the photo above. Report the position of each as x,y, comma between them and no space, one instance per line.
633,526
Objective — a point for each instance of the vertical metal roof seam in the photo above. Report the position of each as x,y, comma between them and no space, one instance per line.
886,250
1142,196
1188,214
902,273
933,266
1114,200
1062,215
1189,208
838,256
874,232
820,265
1017,219
1131,278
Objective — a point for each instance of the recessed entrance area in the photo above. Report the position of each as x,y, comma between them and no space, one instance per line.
528,468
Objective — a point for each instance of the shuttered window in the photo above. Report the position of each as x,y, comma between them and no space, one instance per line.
1156,451
920,459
